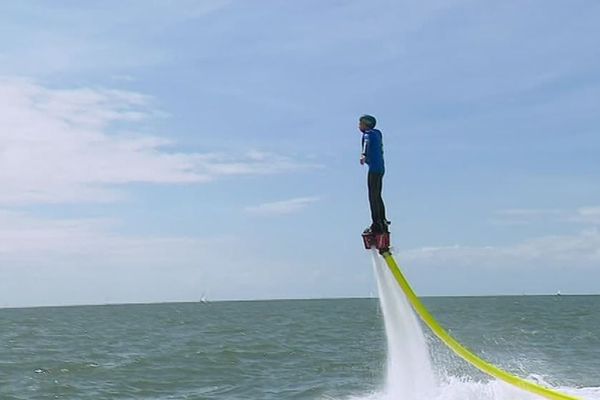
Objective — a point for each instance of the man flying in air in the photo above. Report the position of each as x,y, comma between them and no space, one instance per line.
372,155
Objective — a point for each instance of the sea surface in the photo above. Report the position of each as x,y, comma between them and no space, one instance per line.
289,349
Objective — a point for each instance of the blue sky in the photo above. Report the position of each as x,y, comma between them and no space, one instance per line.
157,151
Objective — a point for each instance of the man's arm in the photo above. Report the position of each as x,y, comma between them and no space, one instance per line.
365,144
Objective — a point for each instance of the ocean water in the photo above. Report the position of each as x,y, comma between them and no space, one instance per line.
298,349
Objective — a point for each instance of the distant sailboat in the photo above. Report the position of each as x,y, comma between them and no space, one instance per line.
558,293
204,299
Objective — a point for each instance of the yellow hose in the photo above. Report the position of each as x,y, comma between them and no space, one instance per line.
459,349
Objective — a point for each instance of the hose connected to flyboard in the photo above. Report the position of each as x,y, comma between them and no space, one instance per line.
458,348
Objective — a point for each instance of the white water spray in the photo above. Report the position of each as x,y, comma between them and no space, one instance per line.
409,371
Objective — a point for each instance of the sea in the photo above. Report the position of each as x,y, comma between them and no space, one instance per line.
368,348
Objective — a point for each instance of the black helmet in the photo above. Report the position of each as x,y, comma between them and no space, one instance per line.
369,120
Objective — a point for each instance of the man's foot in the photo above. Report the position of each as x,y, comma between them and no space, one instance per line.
372,230
375,229
378,228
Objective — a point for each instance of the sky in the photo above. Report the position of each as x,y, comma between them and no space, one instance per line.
157,151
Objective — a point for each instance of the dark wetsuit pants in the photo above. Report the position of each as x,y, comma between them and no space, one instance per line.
375,184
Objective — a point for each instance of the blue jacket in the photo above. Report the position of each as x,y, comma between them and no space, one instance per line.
372,148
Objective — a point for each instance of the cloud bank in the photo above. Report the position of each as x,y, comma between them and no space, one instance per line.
77,145
283,207
577,250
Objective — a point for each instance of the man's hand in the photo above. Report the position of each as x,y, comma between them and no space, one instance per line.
363,159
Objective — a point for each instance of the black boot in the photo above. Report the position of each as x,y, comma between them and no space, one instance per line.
378,228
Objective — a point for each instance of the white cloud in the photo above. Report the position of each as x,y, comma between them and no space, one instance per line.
74,145
283,207
85,145
581,250
24,236
587,215
523,216
85,261
529,212
81,243
81,261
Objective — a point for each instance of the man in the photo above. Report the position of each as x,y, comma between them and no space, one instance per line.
372,155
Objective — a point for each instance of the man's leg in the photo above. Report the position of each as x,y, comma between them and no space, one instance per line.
376,203
371,183
381,207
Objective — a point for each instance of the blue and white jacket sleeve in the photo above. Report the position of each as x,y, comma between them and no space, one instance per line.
365,144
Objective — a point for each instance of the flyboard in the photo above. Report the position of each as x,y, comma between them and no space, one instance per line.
381,242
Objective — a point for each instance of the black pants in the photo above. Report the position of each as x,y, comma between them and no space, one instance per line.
375,184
